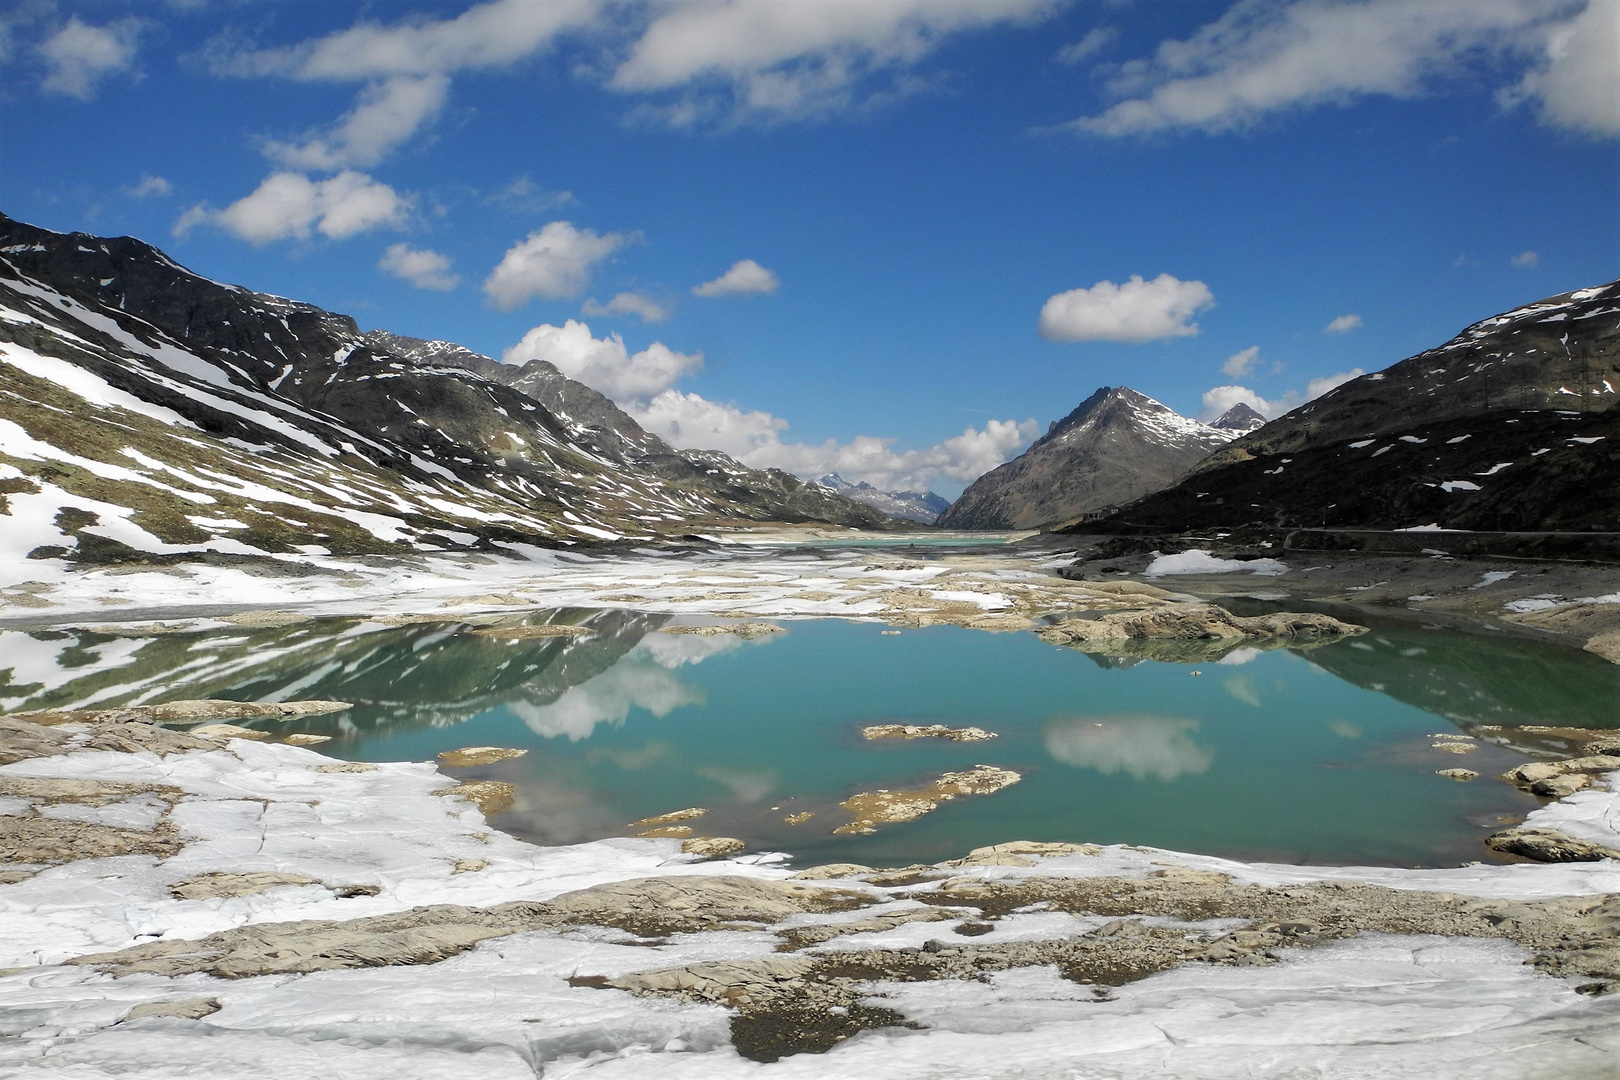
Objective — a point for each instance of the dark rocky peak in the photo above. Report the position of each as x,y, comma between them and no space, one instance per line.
134,283
1239,417
1120,407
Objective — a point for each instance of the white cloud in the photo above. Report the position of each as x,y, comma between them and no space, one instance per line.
690,421
423,268
1221,398
1525,260
289,205
524,196
79,55
388,113
1317,387
745,277
148,186
604,364
1090,45
773,59
1263,57
643,307
553,262
485,35
1136,311
1579,82
1342,325
1241,363
643,384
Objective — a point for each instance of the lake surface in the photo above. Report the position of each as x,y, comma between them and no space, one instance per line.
1322,755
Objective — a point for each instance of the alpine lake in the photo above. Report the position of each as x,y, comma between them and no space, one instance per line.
1325,755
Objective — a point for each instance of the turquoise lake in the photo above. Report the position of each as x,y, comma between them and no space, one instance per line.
1322,755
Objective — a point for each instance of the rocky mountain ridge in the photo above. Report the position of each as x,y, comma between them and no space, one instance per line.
1512,425
149,412
919,506
1115,446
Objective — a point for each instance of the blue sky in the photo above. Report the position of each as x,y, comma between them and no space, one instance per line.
918,230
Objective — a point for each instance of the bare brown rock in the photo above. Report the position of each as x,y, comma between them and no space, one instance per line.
184,712
1548,845
712,847
223,886
930,731
179,1008
1193,632
873,808
490,796
523,633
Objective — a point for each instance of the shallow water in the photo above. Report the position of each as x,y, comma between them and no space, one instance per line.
1320,755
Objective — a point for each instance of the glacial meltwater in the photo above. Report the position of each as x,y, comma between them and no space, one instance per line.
1321,755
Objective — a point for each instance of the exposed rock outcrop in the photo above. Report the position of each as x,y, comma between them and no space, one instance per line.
1193,632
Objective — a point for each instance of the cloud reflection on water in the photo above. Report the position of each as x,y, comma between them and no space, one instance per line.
1140,746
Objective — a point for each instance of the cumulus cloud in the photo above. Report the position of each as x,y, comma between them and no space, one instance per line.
765,58
1525,260
1135,312
290,205
1342,325
1264,57
1241,363
423,268
604,364
745,278
643,384
1139,746
690,421
553,262
642,307
149,186
1219,399
78,56
1578,82
387,114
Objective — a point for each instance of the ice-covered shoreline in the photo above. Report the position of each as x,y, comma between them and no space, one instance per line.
256,807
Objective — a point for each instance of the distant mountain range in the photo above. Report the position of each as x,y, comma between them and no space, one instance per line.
149,412
924,507
1116,446
1512,425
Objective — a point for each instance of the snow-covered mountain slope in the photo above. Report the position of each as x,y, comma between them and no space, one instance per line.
147,412
1115,446
923,506
1514,424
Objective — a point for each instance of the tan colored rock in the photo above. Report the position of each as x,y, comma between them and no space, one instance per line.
656,906
185,712
1019,852
1200,624
930,731
229,731
1548,845
490,796
1606,645
524,633
469,866
800,818
304,738
831,870
53,840
712,847
742,630
470,756
266,619
352,767
1452,747
673,816
221,886
873,808
670,832
179,1008
1556,787
1457,774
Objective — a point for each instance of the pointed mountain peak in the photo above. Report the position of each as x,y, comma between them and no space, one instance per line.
1239,417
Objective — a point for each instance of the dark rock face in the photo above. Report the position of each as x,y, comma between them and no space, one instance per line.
1116,446
1239,417
1512,425
294,430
